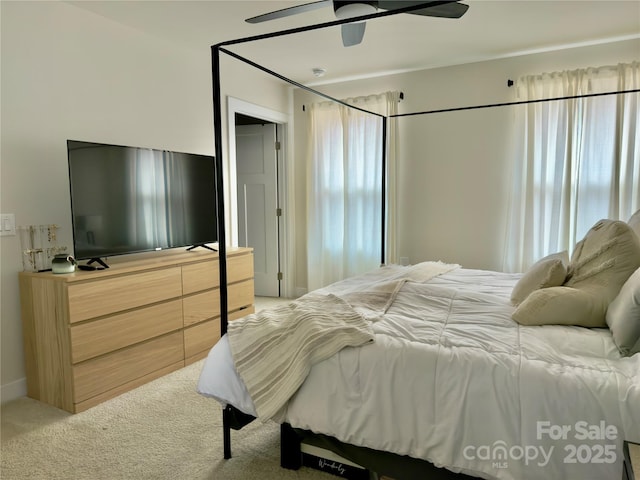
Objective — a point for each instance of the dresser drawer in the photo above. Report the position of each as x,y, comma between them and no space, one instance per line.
201,337
200,276
205,275
99,375
241,313
239,295
201,306
239,267
109,295
205,305
105,335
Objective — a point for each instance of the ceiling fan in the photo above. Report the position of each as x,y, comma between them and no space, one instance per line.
352,33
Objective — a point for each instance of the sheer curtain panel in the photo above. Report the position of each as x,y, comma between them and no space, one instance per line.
344,187
578,160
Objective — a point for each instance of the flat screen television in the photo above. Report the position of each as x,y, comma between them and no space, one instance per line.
128,200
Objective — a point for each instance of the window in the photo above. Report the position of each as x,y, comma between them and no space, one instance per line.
578,162
344,188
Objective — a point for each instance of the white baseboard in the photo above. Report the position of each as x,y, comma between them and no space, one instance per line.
13,390
300,292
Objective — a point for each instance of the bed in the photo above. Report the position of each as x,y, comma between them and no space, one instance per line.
450,378
448,373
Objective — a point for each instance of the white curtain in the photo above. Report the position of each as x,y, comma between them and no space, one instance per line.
344,188
578,159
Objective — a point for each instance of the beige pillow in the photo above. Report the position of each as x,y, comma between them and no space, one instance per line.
601,263
549,271
623,316
558,306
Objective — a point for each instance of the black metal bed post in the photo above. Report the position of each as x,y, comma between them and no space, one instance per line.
222,244
383,224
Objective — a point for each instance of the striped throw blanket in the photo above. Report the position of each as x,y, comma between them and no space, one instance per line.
273,350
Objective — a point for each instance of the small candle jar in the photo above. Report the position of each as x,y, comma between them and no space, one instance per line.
63,263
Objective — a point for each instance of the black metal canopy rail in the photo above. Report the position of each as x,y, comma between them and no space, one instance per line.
219,164
520,102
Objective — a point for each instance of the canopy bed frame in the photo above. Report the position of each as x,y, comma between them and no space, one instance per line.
236,419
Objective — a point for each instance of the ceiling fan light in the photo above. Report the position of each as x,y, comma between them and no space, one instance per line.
357,9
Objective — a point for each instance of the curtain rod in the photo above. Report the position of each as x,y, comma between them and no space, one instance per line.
304,109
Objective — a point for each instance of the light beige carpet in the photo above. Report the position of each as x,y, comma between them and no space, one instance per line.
162,430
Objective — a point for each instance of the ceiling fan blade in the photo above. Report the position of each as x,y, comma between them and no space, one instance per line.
443,10
352,33
285,12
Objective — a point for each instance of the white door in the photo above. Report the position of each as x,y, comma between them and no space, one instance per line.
256,167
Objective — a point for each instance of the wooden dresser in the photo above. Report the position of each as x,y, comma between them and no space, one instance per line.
92,335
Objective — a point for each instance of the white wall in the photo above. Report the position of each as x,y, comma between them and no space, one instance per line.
70,74
453,167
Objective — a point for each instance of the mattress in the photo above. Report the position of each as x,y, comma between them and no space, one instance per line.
452,379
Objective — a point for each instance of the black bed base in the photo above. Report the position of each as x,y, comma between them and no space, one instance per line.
398,467
293,457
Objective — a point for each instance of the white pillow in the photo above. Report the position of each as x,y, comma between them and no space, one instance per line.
550,271
623,316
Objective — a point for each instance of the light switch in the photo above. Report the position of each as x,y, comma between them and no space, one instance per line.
7,224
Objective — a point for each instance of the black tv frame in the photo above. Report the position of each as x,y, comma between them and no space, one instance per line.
99,259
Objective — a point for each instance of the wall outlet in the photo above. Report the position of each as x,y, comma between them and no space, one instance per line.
7,224
404,261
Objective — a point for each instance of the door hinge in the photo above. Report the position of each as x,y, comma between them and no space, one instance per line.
277,145
279,275
278,212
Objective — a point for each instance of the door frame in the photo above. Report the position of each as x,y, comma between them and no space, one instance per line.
285,177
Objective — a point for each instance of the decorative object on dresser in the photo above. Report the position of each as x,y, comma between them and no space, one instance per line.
38,246
63,263
92,335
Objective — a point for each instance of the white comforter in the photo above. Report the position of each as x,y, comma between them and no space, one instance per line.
452,379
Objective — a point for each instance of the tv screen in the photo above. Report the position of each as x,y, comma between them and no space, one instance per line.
128,199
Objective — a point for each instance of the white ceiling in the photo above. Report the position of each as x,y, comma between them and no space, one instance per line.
490,29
